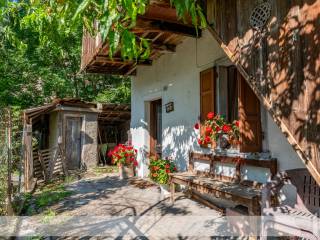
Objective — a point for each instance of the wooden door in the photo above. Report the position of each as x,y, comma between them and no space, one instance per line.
156,128
73,142
250,118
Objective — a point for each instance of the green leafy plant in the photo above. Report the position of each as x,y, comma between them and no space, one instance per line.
160,169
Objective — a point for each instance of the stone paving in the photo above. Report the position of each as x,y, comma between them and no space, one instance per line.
134,208
106,207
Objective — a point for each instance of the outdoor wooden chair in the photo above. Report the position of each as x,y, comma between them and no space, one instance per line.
291,204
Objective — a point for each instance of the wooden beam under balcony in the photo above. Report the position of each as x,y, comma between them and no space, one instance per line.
107,59
147,24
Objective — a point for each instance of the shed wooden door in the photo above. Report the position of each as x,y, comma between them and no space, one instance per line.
156,128
250,118
73,142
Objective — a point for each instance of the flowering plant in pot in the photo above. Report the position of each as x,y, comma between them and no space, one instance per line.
160,169
217,128
125,158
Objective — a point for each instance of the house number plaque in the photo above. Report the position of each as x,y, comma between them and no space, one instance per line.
169,107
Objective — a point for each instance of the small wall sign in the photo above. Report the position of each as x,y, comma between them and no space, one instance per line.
169,107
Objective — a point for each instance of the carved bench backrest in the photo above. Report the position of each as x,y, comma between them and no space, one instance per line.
237,162
307,189
199,157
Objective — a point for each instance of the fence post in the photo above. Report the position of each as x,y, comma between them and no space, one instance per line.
9,164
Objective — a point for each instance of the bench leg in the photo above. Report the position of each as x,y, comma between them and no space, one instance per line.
189,191
172,191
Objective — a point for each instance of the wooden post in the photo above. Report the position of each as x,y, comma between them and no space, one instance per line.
172,190
28,161
43,166
9,152
63,160
52,163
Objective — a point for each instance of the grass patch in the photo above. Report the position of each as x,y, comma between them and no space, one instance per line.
48,215
70,179
44,197
50,195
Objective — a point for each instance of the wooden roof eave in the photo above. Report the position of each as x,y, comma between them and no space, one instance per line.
160,19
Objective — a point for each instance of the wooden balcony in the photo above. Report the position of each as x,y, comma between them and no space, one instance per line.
160,24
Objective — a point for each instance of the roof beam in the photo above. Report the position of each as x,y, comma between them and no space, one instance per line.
165,48
170,27
105,59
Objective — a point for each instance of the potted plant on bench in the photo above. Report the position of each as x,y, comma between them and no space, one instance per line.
159,173
125,158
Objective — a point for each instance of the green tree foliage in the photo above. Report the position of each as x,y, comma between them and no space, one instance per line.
113,19
37,67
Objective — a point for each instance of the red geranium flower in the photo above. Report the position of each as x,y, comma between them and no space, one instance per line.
208,130
110,153
196,126
207,139
174,169
218,129
210,115
199,141
226,128
135,163
167,170
237,123
167,166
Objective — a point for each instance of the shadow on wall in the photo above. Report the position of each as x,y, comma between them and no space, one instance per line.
283,62
177,142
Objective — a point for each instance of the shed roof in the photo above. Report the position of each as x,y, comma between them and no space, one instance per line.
107,112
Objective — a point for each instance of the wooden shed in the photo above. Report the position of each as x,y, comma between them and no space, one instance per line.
70,135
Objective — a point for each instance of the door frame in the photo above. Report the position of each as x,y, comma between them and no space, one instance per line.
82,136
152,126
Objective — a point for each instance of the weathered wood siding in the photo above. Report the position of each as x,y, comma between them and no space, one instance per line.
282,64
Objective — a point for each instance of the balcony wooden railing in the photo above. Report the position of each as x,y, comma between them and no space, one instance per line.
90,47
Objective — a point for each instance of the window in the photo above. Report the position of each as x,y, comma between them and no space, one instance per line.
227,96
224,91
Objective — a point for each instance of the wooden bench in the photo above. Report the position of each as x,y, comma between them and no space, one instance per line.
235,188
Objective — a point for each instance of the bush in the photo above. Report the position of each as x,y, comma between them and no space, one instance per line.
160,169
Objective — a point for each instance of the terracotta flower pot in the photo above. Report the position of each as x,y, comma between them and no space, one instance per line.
126,172
224,141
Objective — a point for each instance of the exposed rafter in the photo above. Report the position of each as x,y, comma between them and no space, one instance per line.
107,59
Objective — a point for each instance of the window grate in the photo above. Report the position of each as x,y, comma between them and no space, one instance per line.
260,15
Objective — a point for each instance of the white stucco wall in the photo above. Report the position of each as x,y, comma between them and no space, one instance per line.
175,77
